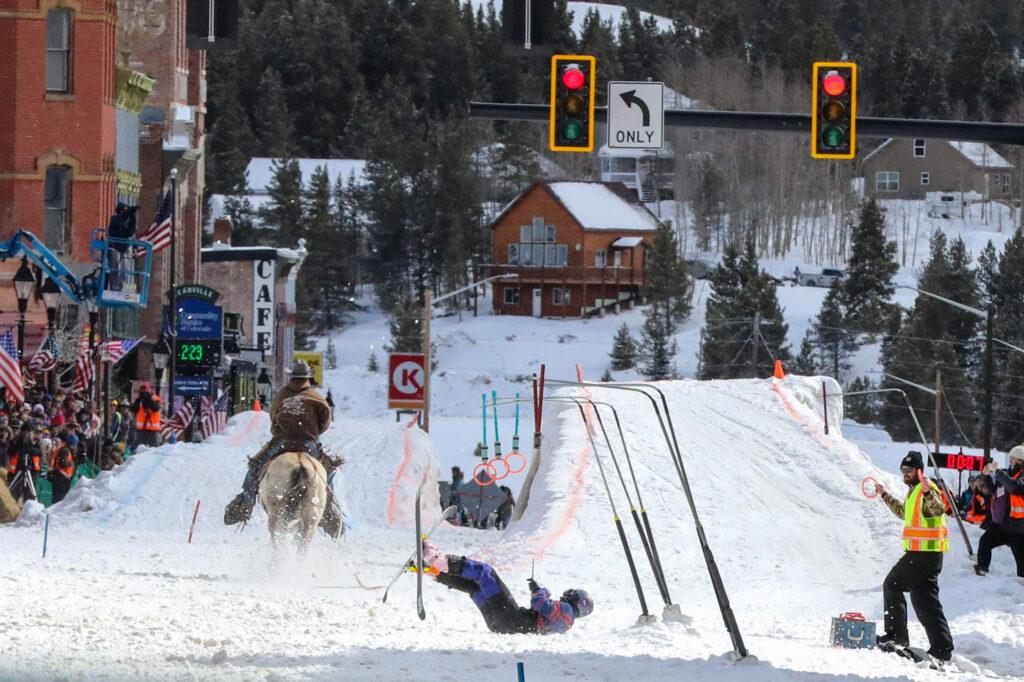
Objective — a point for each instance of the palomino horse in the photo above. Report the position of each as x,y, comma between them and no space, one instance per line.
293,491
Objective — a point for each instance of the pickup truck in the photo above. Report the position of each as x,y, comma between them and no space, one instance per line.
821,279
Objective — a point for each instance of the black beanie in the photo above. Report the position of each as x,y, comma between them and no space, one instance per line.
914,460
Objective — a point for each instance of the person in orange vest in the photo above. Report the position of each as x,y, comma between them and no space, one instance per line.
979,496
62,469
925,540
147,409
1007,514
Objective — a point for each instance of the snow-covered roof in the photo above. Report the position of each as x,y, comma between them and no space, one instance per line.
981,155
598,207
261,171
677,100
218,207
978,153
627,242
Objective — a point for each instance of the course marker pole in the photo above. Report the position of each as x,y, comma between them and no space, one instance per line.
46,533
521,671
193,526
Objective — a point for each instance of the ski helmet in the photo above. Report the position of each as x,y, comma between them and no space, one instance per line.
580,601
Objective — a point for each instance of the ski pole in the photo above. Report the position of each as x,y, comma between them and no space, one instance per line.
483,445
497,438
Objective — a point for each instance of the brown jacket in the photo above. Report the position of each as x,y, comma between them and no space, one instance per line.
299,411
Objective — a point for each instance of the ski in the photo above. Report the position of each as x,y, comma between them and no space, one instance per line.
411,561
419,561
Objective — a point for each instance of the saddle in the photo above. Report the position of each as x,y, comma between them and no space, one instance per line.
313,448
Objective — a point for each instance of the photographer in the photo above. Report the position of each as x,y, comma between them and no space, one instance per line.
121,227
1006,523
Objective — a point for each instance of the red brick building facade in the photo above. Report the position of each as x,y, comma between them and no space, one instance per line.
57,127
578,248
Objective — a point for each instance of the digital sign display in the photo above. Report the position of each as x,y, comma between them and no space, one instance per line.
960,461
195,357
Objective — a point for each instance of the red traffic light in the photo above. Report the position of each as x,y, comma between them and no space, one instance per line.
834,84
573,78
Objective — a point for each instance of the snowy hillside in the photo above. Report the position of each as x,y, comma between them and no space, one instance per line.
121,595
607,12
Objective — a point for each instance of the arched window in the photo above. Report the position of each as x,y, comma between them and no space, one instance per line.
57,207
58,50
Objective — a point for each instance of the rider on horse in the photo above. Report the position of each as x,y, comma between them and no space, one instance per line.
298,416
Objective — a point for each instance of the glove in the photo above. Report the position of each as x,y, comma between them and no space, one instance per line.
533,585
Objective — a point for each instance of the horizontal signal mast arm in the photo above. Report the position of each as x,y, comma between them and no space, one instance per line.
967,131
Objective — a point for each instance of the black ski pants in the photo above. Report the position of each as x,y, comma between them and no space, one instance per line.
994,537
918,574
500,611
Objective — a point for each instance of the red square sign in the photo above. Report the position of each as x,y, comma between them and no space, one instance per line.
406,379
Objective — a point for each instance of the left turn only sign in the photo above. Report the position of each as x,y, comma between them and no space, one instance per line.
406,381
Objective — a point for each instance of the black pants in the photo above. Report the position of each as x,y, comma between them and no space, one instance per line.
59,485
501,612
918,574
994,537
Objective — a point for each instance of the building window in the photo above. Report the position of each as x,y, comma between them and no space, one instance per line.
600,258
1007,183
538,229
926,178
525,233
887,181
562,255
560,296
511,295
618,259
56,201
58,50
513,254
537,246
919,149
549,234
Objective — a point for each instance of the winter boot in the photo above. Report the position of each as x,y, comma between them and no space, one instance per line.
978,570
331,521
240,509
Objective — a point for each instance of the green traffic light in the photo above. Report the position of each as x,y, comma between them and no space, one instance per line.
572,130
833,137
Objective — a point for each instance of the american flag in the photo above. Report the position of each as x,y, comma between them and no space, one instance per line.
159,233
10,371
85,371
45,357
119,348
215,415
180,421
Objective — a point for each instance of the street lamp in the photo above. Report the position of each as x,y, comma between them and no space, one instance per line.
161,354
51,299
24,280
263,385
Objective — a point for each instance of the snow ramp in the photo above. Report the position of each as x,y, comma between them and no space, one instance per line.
795,540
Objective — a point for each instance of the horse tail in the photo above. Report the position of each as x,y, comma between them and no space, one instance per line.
298,487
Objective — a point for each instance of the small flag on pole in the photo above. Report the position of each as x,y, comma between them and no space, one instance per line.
159,233
10,371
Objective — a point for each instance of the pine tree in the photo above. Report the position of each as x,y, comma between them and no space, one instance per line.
707,205
274,122
607,376
284,212
805,363
667,284
244,230
371,365
331,354
988,274
867,288
406,328
832,343
1008,410
657,347
862,409
623,352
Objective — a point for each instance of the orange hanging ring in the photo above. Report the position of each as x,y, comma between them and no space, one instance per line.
504,464
873,493
521,457
492,474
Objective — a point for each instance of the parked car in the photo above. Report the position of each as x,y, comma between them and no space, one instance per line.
699,268
821,279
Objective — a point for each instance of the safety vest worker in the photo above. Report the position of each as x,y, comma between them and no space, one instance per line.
977,509
922,533
147,410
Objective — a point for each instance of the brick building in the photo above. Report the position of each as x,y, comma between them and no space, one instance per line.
578,248
57,131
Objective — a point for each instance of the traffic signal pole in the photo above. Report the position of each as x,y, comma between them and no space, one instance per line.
967,131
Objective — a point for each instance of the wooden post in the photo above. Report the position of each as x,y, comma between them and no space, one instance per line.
824,405
428,302
938,417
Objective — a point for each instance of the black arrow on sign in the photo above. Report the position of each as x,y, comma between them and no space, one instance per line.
630,99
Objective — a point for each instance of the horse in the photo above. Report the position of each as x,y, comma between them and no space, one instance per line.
293,492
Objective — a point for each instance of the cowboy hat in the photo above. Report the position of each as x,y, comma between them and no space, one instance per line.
300,370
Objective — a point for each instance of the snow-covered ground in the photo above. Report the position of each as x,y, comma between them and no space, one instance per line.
121,595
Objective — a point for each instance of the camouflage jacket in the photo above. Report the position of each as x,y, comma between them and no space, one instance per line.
931,506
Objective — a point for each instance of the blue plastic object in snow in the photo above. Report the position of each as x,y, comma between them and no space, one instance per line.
851,631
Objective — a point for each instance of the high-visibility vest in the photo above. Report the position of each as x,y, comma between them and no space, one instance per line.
1017,501
66,457
148,420
922,534
976,510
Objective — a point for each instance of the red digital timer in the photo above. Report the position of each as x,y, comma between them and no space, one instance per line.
962,462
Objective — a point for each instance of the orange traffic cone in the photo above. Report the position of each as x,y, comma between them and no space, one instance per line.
256,407
779,374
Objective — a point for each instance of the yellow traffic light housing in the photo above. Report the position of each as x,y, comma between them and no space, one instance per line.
572,103
834,110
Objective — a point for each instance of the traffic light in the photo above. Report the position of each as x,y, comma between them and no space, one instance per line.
834,110
572,103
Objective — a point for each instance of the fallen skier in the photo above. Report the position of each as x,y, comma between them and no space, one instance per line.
497,605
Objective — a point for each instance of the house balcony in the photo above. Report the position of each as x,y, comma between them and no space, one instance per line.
583,275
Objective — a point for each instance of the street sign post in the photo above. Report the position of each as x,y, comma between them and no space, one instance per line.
406,381
636,115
